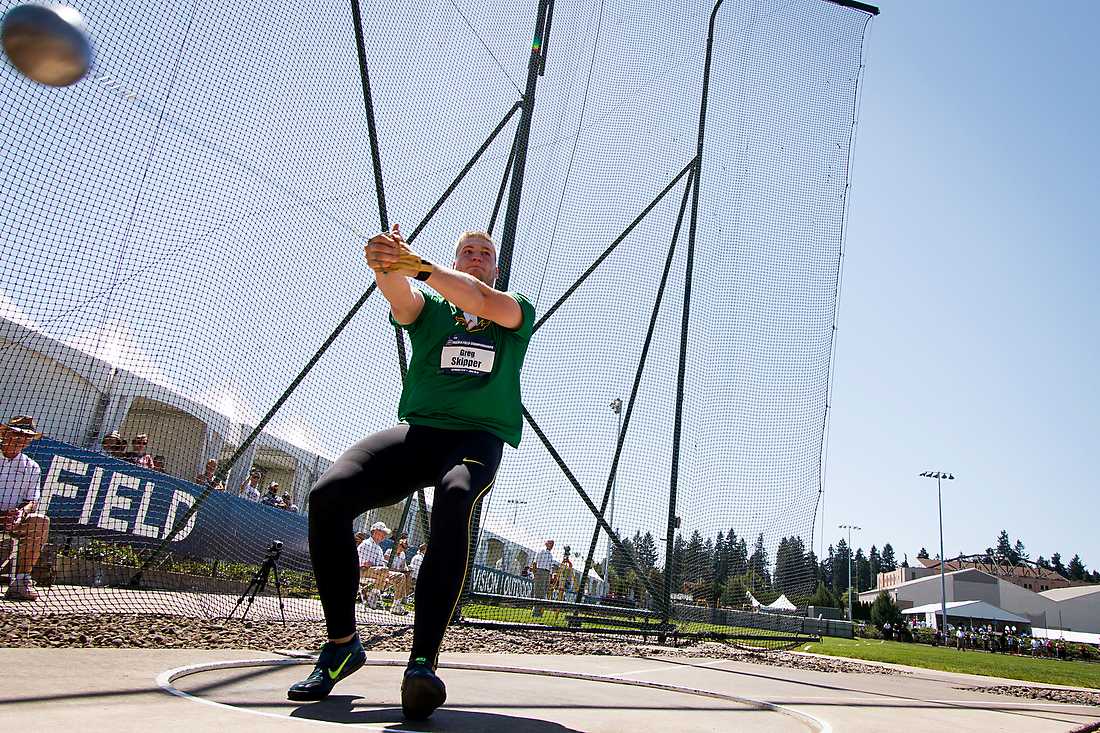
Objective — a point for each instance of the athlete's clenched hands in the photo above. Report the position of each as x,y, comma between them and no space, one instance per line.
388,253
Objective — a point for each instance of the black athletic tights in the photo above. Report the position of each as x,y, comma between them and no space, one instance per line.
382,470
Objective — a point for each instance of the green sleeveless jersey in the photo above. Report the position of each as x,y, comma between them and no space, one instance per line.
464,371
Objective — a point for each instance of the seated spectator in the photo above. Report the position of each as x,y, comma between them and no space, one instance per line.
158,463
114,445
397,562
288,502
373,570
271,496
139,456
207,476
414,567
388,543
250,489
19,495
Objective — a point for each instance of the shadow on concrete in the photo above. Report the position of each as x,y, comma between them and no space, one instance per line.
345,709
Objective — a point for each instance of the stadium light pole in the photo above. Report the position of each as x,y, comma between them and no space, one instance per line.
517,503
616,406
850,527
939,476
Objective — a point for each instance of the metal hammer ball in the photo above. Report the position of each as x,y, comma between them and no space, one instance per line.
47,43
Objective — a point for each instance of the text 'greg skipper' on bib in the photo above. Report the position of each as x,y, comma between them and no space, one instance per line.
467,355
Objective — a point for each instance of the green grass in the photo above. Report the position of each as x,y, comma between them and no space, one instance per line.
1049,671
524,615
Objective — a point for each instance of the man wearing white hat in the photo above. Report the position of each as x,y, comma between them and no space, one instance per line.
20,489
372,565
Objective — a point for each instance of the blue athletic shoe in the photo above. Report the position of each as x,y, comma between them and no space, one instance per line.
421,690
334,663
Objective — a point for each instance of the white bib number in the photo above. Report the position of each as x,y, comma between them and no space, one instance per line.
467,356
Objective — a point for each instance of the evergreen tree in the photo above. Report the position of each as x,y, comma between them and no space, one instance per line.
740,563
790,566
828,569
1019,551
876,563
1004,548
758,563
694,558
840,567
822,597
1057,566
721,560
622,576
861,567
888,563
813,568
923,554
731,554
1043,563
1077,568
646,550
884,611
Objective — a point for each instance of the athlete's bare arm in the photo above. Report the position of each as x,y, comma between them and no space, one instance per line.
390,258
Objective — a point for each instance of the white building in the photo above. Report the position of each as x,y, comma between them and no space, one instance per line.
1077,608
1073,609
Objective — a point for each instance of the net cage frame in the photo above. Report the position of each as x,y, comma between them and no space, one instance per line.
659,621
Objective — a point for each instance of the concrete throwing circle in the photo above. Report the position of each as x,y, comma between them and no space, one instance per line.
483,698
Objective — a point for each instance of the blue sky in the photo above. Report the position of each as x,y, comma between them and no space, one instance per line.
969,310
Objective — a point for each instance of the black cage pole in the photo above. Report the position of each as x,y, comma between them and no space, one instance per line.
621,438
375,155
685,322
536,63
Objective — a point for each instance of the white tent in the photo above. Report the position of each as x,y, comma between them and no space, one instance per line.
978,610
752,599
781,604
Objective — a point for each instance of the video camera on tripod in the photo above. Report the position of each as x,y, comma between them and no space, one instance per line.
259,582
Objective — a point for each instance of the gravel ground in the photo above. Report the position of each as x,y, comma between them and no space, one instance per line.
177,632
1051,694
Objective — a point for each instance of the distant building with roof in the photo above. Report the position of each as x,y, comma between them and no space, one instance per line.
1025,574
1074,608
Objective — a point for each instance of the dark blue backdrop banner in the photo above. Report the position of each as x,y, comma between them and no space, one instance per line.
88,494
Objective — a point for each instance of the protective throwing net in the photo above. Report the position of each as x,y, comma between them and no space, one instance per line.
183,230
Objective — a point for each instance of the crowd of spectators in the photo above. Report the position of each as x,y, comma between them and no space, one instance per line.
135,451
250,490
1007,640
552,579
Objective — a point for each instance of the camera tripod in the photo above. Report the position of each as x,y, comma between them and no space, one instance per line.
259,583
